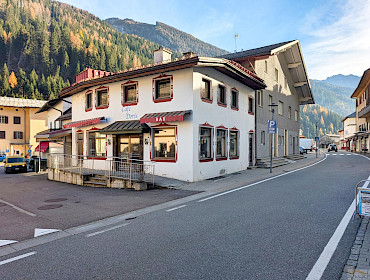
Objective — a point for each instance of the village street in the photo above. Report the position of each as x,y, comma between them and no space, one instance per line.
274,229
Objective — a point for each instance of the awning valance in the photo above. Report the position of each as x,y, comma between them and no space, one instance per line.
125,127
44,147
84,122
175,116
48,135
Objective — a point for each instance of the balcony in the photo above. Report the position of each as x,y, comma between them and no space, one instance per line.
365,112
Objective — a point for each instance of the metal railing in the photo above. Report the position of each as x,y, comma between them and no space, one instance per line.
110,167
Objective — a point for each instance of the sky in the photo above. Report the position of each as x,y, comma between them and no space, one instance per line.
334,34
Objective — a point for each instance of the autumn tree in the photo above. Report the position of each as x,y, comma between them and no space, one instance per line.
12,80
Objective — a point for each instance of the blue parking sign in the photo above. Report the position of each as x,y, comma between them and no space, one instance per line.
271,127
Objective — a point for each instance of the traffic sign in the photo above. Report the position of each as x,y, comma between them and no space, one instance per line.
272,127
7,150
317,138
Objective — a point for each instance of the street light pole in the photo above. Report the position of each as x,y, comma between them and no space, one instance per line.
316,139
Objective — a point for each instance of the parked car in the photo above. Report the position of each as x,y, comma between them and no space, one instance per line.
2,157
15,164
332,147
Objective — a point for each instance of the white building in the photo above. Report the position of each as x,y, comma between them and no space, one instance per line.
349,130
282,68
193,117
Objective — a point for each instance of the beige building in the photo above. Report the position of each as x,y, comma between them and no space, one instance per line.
19,124
361,93
349,131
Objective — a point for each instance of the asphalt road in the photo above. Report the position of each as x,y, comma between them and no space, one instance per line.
273,230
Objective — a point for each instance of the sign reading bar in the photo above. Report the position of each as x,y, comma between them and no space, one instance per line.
364,202
272,127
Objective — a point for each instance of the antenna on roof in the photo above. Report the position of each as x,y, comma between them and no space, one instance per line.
235,36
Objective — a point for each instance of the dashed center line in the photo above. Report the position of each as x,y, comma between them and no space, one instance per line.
178,207
105,230
17,258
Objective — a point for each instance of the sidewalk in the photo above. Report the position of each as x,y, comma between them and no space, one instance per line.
237,179
358,264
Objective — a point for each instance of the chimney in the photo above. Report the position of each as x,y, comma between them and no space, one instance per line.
186,55
162,55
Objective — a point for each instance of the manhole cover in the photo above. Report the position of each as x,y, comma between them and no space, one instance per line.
50,206
56,200
2,204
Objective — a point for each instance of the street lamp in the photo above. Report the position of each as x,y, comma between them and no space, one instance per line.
272,105
316,139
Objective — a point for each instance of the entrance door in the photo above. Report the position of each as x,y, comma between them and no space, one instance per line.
80,143
130,146
293,145
250,149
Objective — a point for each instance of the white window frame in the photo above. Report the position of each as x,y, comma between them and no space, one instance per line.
281,108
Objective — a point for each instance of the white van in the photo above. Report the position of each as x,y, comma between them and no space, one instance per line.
307,144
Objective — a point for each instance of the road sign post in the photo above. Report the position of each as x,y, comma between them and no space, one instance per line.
271,129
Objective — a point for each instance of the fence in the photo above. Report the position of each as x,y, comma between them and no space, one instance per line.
110,167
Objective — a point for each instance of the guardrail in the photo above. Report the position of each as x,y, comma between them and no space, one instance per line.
110,167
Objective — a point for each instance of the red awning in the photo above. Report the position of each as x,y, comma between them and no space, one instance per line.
176,116
83,123
44,147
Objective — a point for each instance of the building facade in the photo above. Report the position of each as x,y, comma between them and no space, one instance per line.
349,131
361,93
19,124
282,68
193,118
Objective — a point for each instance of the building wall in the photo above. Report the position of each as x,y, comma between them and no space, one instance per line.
216,115
279,92
349,127
31,124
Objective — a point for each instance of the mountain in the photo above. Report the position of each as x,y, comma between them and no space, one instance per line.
166,36
333,97
348,81
46,43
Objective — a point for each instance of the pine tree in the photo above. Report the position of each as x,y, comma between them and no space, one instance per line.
5,84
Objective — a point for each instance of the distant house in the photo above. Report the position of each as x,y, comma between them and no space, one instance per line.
361,138
56,139
349,131
282,68
19,124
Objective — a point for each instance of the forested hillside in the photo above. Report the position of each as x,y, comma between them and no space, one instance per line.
327,121
44,44
166,36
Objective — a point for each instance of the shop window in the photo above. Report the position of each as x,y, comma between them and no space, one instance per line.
3,119
17,120
2,134
129,93
102,98
221,144
234,144
162,89
206,152
96,144
234,99
18,135
263,136
250,105
221,99
88,101
164,144
206,90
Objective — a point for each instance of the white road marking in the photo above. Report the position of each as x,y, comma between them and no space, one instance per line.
7,242
178,207
318,269
17,258
105,230
43,231
341,154
17,208
259,182
334,154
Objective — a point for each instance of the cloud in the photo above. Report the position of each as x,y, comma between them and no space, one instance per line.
339,39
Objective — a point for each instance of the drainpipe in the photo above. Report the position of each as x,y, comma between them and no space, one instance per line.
255,126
